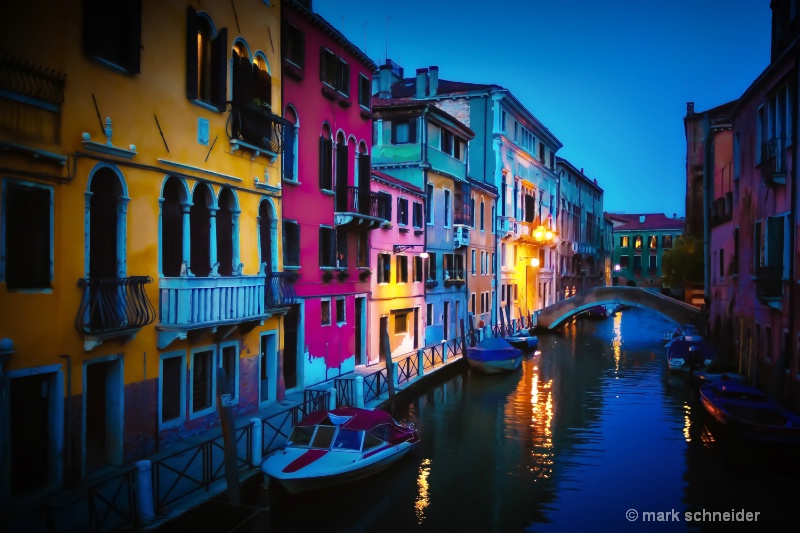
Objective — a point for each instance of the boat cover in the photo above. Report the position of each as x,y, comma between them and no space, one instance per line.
493,349
356,418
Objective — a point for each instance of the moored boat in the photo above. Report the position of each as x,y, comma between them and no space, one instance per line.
332,447
750,412
494,355
689,353
523,342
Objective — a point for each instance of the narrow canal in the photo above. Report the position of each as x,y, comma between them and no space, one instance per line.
593,434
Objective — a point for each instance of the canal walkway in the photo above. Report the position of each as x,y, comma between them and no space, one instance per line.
156,490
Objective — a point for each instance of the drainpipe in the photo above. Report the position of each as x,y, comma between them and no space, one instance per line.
792,236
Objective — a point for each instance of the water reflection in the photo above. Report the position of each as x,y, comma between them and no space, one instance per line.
592,426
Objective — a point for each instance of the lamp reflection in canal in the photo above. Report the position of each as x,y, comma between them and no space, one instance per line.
541,405
616,342
423,498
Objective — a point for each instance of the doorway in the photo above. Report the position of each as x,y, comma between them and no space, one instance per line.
290,324
446,320
384,333
361,328
103,413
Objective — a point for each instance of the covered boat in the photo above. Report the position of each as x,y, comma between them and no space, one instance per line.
493,355
331,447
690,353
750,412
523,341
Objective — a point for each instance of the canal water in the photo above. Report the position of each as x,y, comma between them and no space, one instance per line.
591,434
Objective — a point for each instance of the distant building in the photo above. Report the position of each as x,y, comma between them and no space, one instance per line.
640,241
581,249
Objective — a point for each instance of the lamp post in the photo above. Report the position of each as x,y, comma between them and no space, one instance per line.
403,247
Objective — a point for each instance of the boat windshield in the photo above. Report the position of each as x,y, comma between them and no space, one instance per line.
323,437
348,439
301,436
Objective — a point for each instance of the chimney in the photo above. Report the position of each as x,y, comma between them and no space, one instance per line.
384,81
422,83
689,108
434,81
641,219
674,215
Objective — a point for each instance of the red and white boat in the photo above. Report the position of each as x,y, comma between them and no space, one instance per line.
331,447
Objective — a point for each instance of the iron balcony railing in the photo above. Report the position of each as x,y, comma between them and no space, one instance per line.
280,289
112,305
773,161
769,283
358,200
256,126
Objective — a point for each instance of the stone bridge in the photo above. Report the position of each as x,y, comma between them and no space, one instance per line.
554,315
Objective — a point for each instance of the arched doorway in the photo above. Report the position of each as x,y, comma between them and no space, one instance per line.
104,222
175,201
200,226
225,232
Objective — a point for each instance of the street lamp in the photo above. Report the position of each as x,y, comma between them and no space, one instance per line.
403,247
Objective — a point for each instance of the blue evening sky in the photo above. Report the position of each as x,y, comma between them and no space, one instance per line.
609,78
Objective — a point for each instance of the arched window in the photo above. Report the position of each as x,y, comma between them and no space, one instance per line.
326,159
174,207
267,225
206,59
341,160
200,225
227,233
106,214
290,145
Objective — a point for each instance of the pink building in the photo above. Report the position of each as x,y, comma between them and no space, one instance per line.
396,258
328,207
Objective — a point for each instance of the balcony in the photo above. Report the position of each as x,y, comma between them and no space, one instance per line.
769,283
505,226
113,308
280,289
444,163
773,161
187,304
358,208
255,128
460,235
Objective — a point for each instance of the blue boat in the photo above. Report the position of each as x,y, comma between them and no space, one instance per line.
523,342
750,412
689,353
494,355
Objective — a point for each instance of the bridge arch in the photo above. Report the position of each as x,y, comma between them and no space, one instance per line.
680,312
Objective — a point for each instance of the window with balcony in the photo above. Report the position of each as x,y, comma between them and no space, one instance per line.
293,45
26,261
112,32
402,269
326,160
327,247
227,230
384,272
206,69
334,72
291,243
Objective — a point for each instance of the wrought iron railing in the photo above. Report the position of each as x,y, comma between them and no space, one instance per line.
769,283
280,289
257,126
112,305
358,200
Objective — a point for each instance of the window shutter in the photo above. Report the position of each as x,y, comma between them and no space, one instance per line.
344,74
412,130
263,85
191,53
92,21
288,151
219,56
341,167
322,146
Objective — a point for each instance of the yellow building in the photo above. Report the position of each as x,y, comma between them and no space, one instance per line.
139,249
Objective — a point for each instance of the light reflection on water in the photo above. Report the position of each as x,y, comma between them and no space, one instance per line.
593,426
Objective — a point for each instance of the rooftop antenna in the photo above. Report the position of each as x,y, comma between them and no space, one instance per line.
365,36
386,51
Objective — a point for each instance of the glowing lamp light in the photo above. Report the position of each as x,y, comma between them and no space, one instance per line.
617,268
535,262
424,255
539,233
548,235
